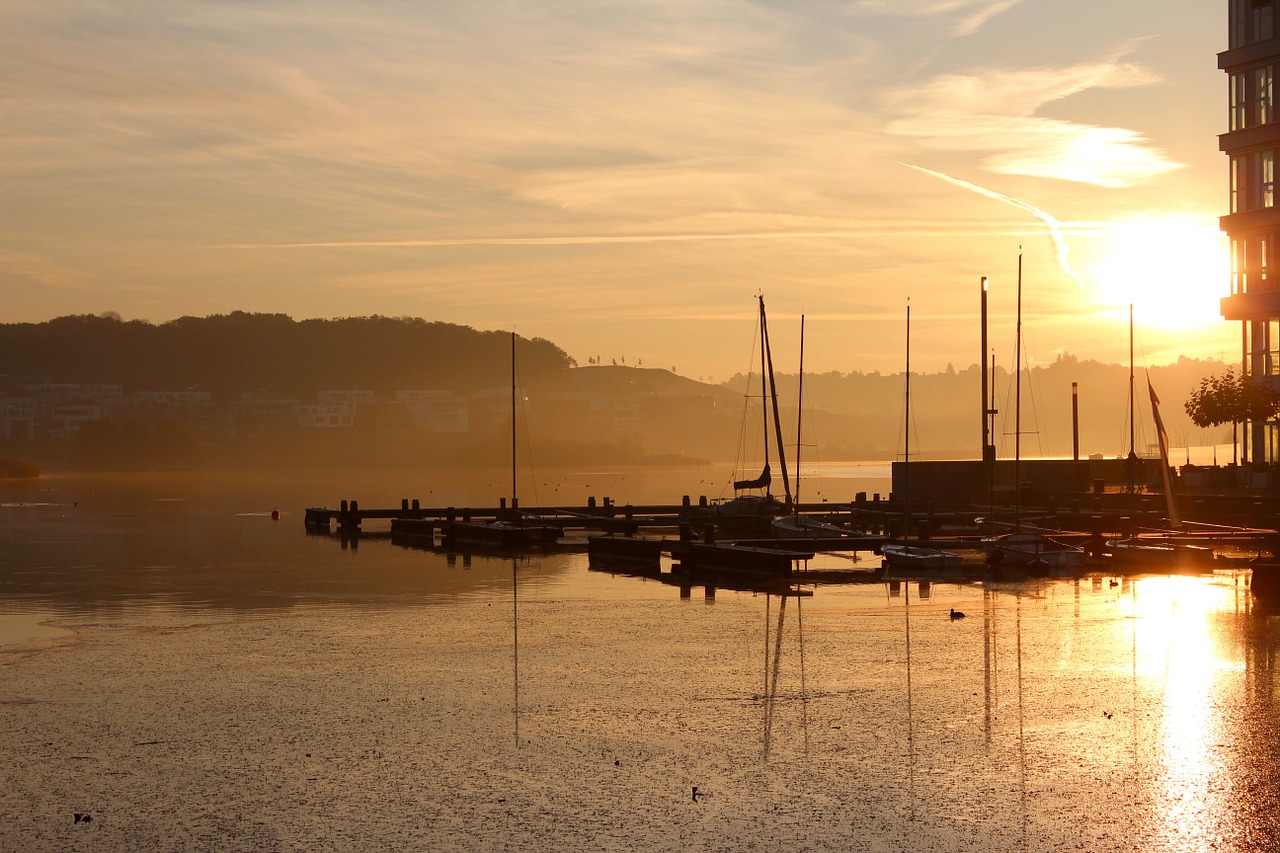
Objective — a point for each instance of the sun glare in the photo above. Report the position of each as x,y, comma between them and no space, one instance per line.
1173,271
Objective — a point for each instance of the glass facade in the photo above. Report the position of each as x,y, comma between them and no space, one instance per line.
1253,221
1252,97
1252,21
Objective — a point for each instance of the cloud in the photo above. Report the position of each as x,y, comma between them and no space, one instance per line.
995,111
972,13
1061,251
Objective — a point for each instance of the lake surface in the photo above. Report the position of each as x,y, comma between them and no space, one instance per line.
197,676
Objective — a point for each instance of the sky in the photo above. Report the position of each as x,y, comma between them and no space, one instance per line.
624,177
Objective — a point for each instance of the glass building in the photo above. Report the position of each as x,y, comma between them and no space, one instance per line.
1252,224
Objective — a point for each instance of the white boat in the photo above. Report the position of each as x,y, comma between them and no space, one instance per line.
793,525
803,527
1157,553
1024,549
769,397
900,556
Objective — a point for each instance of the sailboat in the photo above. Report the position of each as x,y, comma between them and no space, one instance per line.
793,525
900,555
1146,551
515,530
1026,549
752,514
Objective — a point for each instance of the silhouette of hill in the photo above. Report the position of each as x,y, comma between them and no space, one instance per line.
595,413
229,353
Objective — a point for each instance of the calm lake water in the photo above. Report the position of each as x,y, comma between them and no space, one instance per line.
197,676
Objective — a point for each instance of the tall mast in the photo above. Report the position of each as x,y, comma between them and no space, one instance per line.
1017,402
1131,462
773,396
906,443
986,416
764,388
799,414
513,420
1132,449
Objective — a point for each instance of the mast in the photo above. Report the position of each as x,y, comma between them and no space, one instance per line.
906,443
799,415
513,420
991,413
988,451
764,389
1131,462
773,396
1017,402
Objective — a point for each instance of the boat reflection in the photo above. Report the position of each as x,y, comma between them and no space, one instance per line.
773,669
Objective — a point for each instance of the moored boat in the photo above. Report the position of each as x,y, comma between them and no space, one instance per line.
802,527
908,557
1025,549
1157,553
901,556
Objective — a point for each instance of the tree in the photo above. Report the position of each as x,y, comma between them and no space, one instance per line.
1232,399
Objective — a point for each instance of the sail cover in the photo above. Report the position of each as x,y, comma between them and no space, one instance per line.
1174,520
761,482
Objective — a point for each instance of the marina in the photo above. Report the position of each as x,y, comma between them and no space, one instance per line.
194,672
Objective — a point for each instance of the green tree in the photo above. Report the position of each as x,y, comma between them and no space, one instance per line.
1232,399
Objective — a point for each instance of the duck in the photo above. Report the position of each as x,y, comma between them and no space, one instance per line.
956,614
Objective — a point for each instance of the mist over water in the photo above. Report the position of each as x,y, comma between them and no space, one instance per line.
195,675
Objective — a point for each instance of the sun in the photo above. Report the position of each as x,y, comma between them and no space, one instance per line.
1173,270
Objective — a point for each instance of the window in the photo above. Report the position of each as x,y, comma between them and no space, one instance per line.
1239,102
1253,181
1252,98
1251,263
1266,173
1261,21
1250,21
1262,87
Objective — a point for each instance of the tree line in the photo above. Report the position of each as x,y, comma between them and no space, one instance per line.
229,353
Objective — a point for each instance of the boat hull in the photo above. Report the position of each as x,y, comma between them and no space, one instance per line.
1032,551
910,557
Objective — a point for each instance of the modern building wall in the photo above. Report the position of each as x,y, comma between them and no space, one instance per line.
1252,144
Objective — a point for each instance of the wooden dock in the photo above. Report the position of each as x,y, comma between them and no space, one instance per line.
603,517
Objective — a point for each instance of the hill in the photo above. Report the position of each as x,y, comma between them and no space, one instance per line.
591,414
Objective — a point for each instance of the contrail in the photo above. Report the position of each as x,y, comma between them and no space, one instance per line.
1055,228
853,229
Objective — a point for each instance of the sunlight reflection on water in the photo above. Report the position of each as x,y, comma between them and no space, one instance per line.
236,683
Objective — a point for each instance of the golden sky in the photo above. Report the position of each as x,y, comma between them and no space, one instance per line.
623,177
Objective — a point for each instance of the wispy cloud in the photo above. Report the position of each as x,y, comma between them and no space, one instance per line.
995,111
1061,251
902,228
972,14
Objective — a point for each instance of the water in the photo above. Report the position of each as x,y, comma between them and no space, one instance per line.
197,676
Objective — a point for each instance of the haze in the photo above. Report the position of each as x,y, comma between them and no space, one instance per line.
623,178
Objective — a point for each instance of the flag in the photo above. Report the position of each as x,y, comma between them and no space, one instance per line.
1163,436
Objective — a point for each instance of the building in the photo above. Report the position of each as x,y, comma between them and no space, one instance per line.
1252,224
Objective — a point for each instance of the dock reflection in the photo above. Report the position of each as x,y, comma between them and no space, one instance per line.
772,671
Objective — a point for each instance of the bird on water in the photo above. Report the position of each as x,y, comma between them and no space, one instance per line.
956,614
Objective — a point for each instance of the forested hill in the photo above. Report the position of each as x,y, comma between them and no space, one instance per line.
230,353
